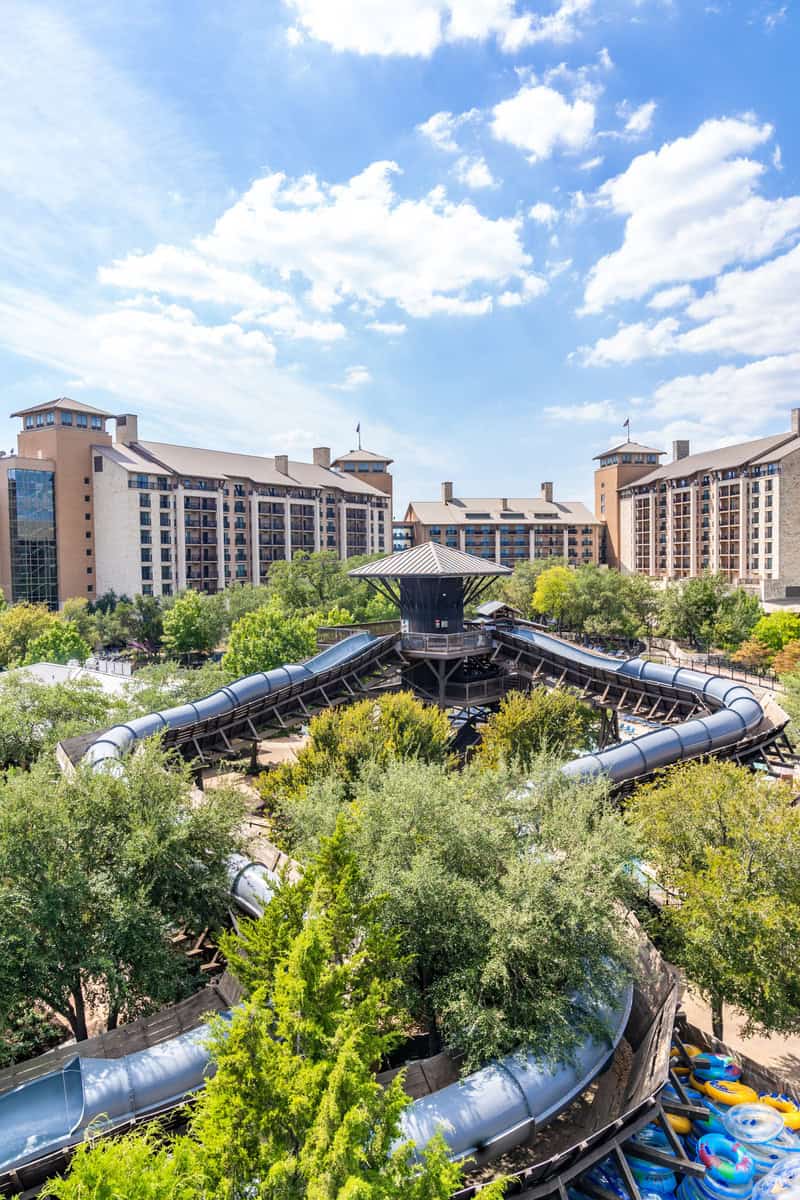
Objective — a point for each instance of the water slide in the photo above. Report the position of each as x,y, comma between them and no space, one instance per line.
492,1109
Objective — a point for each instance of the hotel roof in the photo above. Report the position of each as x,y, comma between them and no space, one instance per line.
629,448
362,456
161,457
466,510
63,402
429,560
760,450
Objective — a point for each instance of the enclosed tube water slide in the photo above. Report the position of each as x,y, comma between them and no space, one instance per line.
489,1111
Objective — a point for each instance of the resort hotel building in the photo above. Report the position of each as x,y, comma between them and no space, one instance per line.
84,510
505,529
735,510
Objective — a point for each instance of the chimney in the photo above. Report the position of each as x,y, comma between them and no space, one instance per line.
547,492
322,456
127,429
680,449
282,464
504,505
796,422
447,493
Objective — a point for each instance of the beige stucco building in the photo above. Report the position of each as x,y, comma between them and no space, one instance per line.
735,510
83,512
504,528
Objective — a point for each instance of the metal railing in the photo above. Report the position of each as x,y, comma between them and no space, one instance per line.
446,643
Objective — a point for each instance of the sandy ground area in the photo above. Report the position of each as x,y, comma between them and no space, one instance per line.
781,1054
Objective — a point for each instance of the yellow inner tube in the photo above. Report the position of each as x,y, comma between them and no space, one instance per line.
730,1092
788,1110
680,1124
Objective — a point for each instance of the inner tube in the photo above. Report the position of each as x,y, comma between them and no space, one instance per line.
651,1177
730,1091
715,1066
726,1161
785,1106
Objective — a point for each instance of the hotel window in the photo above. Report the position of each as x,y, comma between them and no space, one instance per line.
147,589
81,420
97,422
147,572
29,422
39,420
144,500
144,518
50,418
147,555
32,528
164,518
66,418
164,502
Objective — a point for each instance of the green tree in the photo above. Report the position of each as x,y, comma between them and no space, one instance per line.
60,643
753,655
146,622
553,592
526,725
35,716
728,843
160,686
343,740
447,852
320,581
642,602
192,624
20,624
94,871
269,637
737,614
293,1110
787,660
77,612
691,608
775,630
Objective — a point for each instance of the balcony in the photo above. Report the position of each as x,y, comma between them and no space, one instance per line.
446,645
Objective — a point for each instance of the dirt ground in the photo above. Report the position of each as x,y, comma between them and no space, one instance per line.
781,1054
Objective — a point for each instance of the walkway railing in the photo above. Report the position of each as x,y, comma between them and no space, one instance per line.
446,643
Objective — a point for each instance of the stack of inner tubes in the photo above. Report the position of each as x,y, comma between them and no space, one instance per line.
749,1144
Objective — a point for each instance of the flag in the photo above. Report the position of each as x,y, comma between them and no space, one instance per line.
626,424
358,427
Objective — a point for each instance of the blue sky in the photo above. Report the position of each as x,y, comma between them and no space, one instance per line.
489,230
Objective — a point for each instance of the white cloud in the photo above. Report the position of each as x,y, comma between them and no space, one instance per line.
390,328
589,413
632,342
637,120
474,173
730,403
673,297
691,209
359,241
543,213
179,272
751,312
591,163
532,286
419,27
777,158
539,120
440,129
289,321
776,17
354,377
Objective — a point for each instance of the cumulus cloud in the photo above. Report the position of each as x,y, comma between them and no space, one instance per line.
440,129
532,286
543,213
672,297
540,120
691,209
637,120
747,312
354,377
419,27
390,328
359,241
632,342
474,173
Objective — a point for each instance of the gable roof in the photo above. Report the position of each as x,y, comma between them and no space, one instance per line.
363,456
628,448
463,510
723,459
63,402
429,560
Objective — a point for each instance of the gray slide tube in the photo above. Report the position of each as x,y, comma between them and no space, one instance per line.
490,1110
